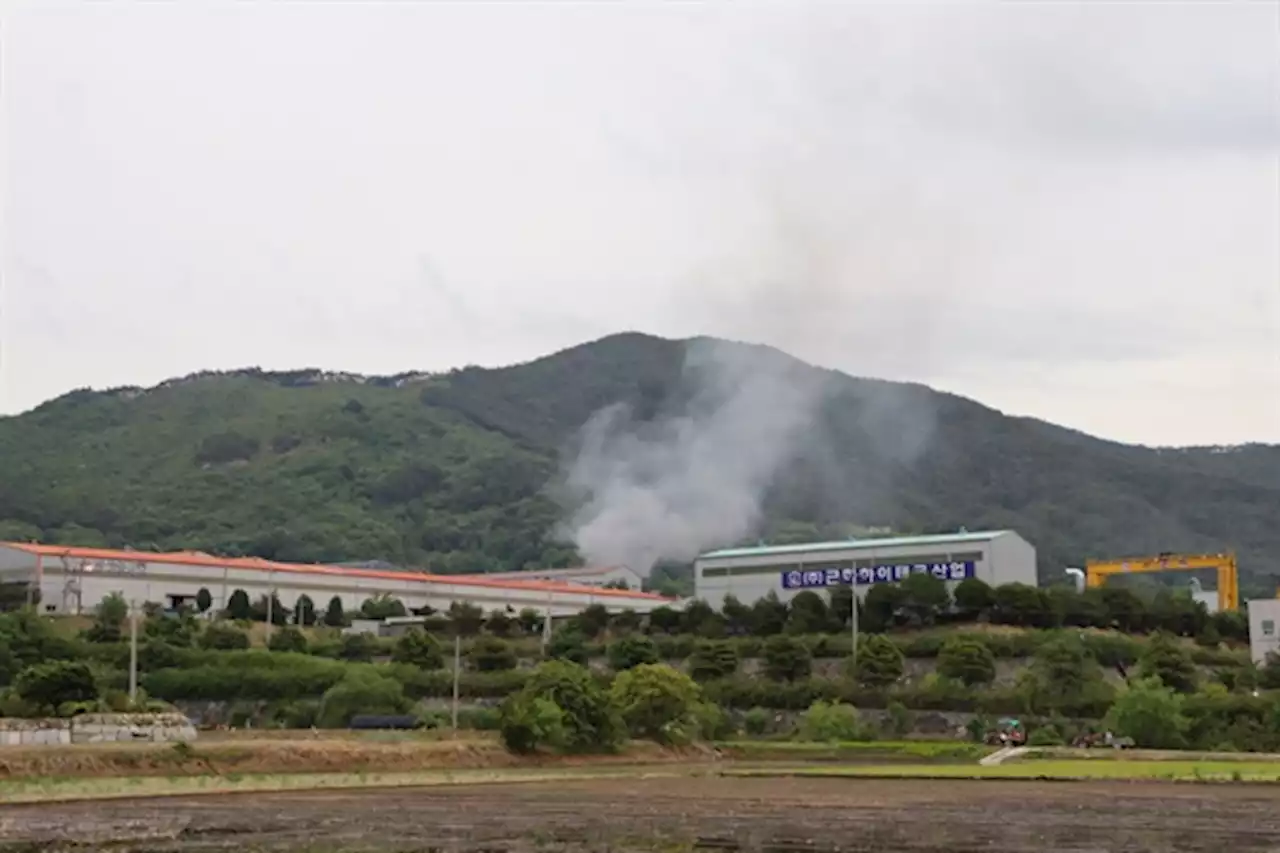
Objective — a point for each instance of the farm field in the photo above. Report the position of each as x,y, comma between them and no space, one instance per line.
672,814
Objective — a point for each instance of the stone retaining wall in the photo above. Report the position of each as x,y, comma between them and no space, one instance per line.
96,728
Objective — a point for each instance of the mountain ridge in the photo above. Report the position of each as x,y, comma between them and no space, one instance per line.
451,470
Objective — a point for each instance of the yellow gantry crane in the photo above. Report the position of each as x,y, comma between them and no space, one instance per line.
1097,571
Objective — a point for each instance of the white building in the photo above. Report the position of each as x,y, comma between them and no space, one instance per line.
75,580
1264,616
589,576
749,574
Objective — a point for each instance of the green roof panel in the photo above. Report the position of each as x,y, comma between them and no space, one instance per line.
854,545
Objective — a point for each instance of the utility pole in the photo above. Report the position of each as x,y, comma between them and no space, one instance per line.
457,670
853,622
133,652
271,600
546,631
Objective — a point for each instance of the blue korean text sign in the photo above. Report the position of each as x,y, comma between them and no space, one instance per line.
868,575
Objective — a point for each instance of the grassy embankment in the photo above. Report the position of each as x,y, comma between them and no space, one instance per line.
292,764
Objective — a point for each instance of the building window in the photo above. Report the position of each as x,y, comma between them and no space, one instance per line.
1268,627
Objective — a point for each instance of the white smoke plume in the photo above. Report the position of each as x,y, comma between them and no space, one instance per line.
676,486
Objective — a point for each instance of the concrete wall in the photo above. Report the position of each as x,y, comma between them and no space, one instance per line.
15,563
1012,560
1264,628
1005,558
97,728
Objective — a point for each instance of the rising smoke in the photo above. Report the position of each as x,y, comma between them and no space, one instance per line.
812,251
674,487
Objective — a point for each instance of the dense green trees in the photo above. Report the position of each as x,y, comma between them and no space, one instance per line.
1055,675
657,702
587,720
47,686
448,473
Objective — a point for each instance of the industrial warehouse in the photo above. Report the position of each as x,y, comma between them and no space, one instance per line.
749,574
75,580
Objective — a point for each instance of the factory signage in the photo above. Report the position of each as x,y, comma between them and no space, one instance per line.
867,575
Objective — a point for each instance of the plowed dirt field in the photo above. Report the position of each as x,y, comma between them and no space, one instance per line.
676,814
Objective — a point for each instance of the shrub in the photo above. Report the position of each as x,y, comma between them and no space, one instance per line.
527,723
49,685
357,647
179,630
246,675
305,609
287,639
974,598
1167,660
658,702
334,616
1269,672
223,637
491,654
830,721
480,719
713,721
1063,677
966,660
757,721
592,621
1151,714
713,659
808,614
880,662
465,619
499,624
786,659
269,608
382,606
591,724
238,606
361,692
632,651
108,620
157,654
675,648
419,649
568,644
897,719
1045,736
925,598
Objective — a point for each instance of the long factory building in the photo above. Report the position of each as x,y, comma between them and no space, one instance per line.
750,574
76,580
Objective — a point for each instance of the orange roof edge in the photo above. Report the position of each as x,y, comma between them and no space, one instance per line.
190,558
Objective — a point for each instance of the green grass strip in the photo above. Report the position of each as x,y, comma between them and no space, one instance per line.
1181,771
48,790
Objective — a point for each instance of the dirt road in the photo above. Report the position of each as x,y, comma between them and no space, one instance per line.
764,815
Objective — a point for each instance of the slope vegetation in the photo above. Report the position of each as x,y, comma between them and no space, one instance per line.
452,471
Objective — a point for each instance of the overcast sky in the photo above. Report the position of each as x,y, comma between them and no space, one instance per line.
1066,211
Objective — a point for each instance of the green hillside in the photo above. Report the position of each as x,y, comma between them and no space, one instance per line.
451,472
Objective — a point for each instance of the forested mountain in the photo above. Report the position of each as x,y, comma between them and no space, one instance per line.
452,472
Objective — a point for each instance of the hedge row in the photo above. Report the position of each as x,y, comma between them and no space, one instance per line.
280,675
